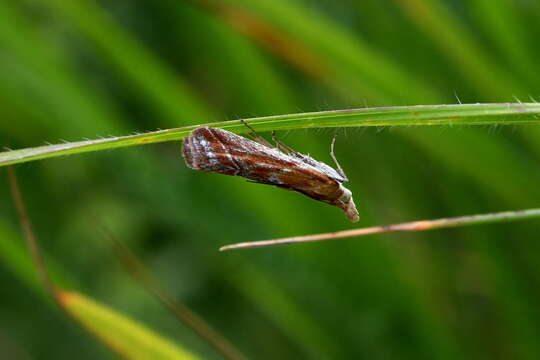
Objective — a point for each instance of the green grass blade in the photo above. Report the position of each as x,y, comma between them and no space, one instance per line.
336,53
170,95
300,325
458,45
503,22
14,257
30,73
123,335
239,64
428,115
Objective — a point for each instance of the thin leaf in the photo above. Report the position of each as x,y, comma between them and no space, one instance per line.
123,335
171,96
503,23
182,312
422,115
459,46
327,51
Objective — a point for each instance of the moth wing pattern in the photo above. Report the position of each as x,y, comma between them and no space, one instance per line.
212,149
328,170
217,150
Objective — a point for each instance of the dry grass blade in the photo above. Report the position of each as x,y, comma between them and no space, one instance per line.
97,319
181,311
409,226
29,235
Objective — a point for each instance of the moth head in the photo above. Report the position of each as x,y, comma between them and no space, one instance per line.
346,203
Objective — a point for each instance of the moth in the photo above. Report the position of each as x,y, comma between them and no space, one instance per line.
220,151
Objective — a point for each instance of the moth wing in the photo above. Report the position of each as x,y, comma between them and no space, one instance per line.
327,169
217,150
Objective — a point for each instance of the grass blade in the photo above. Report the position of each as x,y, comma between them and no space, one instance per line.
181,311
503,23
421,225
326,50
123,335
29,235
171,96
422,115
458,44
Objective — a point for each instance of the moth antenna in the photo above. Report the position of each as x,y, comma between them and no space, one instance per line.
248,126
280,145
256,136
333,156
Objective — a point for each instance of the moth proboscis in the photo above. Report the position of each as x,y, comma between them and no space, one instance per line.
220,151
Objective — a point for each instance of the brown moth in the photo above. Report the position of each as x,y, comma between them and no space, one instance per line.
217,150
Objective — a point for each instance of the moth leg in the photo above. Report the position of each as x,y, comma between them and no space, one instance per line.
253,134
333,156
281,146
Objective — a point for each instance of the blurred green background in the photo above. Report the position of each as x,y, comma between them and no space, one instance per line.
79,69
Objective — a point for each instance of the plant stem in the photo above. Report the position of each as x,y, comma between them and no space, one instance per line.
421,225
